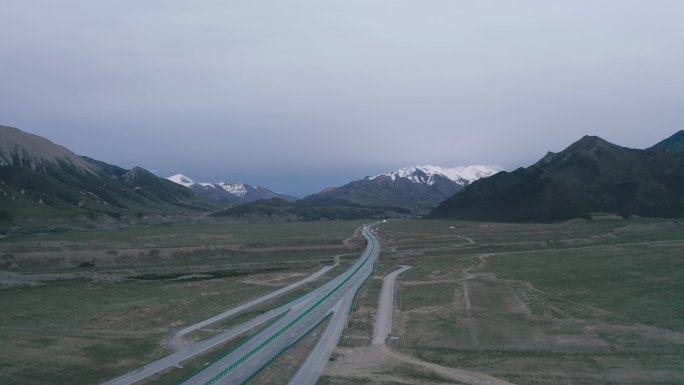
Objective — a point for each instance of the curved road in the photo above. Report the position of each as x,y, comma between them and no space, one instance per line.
248,359
290,323
176,343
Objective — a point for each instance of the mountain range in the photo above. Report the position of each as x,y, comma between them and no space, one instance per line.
590,176
418,188
411,190
41,181
235,193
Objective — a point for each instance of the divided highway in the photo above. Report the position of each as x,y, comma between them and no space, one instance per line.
247,360
288,324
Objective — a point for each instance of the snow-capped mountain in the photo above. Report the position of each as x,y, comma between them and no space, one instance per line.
419,188
462,175
237,189
182,180
237,193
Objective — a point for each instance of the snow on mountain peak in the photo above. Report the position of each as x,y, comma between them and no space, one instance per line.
237,189
470,173
426,174
228,192
182,180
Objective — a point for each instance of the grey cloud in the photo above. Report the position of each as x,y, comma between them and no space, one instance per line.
322,91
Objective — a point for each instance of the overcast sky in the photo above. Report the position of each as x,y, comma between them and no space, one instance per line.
300,95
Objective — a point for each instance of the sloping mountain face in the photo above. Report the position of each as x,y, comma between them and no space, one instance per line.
154,188
35,153
419,188
42,182
590,176
236,193
675,143
282,210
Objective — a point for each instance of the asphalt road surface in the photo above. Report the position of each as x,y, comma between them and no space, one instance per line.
176,343
314,365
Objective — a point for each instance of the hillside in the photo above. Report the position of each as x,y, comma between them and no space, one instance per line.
41,182
590,176
282,210
674,144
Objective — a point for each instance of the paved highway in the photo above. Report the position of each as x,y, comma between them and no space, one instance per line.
314,365
184,354
248,359
176,342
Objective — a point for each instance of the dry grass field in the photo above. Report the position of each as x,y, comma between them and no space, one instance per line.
582,302
84,306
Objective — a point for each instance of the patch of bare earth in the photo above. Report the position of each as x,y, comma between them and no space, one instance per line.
381,365
274,279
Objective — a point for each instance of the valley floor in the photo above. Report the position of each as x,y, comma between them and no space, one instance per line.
581,302
83,307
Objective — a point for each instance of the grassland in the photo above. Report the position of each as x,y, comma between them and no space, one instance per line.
580,302
84,306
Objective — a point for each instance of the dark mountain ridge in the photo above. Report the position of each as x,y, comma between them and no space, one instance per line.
591,175
675,143
43,182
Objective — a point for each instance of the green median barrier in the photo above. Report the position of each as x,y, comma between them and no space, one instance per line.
196,372
280,353
282,331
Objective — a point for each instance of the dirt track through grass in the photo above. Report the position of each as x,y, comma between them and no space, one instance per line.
582,302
